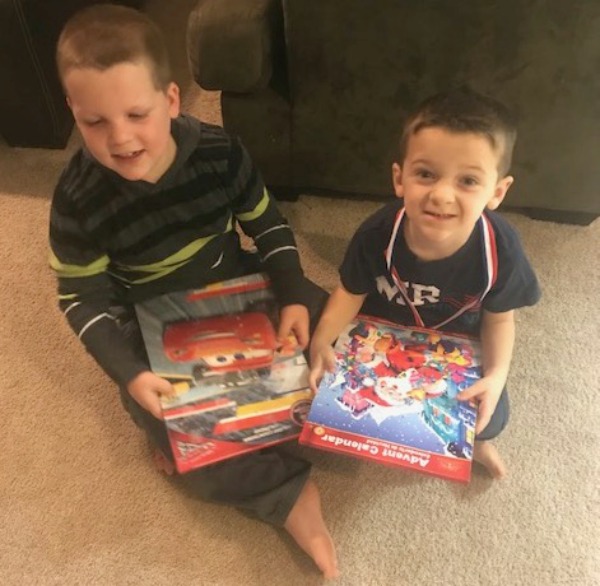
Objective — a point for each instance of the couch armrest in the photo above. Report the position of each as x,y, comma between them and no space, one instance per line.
232,45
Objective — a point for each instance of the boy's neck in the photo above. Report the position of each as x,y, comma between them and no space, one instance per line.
165,162
427,251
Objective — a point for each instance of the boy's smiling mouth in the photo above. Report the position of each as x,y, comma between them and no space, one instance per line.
128,156
439,216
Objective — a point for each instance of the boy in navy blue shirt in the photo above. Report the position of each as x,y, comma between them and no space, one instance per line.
439,257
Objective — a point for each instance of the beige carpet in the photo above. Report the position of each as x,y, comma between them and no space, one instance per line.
80,503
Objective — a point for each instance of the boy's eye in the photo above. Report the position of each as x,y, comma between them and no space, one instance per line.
92,123
470,181
424,174
138,115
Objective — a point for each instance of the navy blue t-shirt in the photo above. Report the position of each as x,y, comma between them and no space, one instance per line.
438,288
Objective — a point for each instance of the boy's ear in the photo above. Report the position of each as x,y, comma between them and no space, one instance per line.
397,180
174,99
500,192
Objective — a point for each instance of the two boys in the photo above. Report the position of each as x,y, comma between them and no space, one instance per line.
151,203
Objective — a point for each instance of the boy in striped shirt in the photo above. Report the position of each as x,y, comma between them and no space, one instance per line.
151,205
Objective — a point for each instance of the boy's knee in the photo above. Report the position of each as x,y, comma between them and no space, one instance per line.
264,484
499,419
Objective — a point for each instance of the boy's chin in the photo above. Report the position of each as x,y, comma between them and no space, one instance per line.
438,239
130,172
128,175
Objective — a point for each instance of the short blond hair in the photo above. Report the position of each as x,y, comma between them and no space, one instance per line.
104,35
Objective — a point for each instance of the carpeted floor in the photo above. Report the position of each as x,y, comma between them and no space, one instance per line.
80,502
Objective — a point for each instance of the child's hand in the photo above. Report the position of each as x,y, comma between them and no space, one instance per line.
294,319
146,388
486,392
321,359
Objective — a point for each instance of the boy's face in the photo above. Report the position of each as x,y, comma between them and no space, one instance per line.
447,180
124,120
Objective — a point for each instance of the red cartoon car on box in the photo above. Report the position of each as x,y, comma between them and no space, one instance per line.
228,345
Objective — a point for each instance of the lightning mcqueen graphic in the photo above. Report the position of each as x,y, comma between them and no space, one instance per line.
235,347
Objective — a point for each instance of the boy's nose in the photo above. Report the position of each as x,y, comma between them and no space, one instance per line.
119,134
442,192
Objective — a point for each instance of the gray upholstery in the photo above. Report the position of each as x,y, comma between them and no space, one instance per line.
248,44
345,73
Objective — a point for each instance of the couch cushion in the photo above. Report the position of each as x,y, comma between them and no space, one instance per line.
230,43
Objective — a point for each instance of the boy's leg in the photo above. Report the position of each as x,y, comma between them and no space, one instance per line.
265,483
271,484
484,451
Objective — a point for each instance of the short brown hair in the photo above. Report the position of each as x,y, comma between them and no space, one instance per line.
104,35
464,110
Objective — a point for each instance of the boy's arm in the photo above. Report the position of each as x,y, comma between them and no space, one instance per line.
90,318
86,293
340,310
497,343
256,211
84,296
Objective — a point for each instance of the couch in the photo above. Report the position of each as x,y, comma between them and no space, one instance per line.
33,111
318,89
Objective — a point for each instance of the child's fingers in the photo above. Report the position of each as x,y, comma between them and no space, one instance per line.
298,330
470,393
165,388
330,363
301,332
284,330
151,402
294,319
314,378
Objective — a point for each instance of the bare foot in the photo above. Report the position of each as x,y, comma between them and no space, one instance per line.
162,463
306,525
486,454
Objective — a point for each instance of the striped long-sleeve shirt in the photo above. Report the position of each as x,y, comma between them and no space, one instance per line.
115,242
